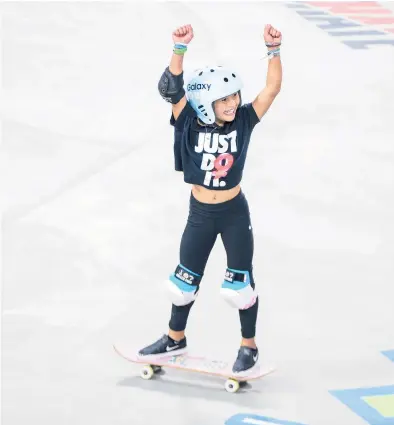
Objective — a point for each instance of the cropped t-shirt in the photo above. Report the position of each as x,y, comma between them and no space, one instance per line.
210,155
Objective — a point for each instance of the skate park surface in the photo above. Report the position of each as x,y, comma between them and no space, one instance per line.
93,213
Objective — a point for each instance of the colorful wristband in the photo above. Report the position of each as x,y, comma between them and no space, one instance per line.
180,48
273,53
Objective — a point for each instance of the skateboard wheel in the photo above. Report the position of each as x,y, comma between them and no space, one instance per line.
147,372
232,386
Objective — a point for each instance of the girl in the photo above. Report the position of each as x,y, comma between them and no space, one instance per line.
212,130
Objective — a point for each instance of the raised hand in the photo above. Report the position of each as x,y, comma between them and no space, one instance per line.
183,34
272,35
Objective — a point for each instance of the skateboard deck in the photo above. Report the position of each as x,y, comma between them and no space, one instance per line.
187,362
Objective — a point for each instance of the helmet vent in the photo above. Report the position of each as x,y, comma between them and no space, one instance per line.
200,73
202,109
226,80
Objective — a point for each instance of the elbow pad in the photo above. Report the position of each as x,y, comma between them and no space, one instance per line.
171,86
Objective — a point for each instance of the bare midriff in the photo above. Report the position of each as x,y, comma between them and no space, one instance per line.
209,196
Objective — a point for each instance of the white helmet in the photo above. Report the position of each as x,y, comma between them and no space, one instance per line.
210,84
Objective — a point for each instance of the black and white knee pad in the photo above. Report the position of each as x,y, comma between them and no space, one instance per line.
183,286
237,289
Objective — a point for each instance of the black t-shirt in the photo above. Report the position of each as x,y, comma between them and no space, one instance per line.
209,155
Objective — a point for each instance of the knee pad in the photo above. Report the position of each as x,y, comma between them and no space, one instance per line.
183,286
237,289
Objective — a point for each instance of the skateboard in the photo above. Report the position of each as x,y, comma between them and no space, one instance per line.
186,362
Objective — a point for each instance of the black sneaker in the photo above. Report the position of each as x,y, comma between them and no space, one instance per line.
164,345
247,361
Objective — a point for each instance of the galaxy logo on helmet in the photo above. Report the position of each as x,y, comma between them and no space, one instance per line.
196,86
209,84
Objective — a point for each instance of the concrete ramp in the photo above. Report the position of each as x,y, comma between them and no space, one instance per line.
93,212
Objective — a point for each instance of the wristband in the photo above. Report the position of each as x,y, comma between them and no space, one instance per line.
272,44
273,54
180,48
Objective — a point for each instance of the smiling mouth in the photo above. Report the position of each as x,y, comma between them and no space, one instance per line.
229,112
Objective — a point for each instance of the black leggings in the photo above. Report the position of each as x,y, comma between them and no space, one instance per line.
205,222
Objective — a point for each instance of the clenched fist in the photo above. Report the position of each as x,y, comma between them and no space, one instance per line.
272,35
183,34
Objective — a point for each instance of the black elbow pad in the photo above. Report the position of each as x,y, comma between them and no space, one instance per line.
171,86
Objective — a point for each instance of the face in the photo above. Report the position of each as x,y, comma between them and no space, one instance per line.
226,108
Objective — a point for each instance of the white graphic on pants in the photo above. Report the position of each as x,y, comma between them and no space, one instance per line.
216,166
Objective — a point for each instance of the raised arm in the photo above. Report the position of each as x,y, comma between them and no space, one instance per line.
171,82
265,98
